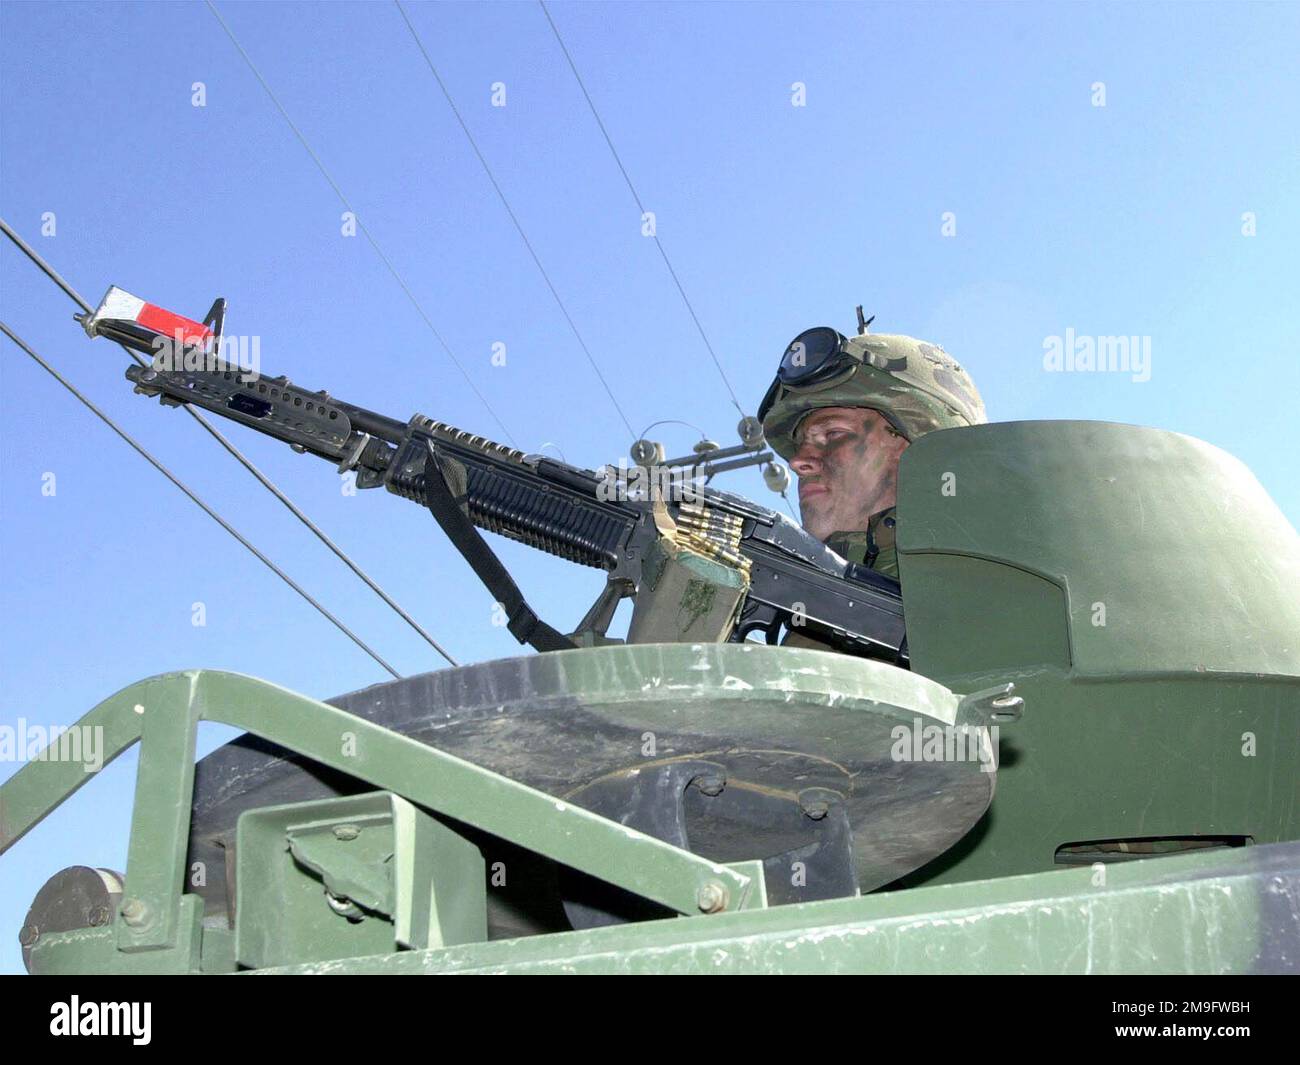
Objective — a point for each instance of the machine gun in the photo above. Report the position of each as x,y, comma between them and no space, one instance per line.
702,565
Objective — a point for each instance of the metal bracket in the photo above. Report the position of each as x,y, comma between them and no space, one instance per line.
591,629
991,706
364,874
163,712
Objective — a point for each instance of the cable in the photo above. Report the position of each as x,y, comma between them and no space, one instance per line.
641,207
50,272
510,211
207,509
552,443
54,276
360,224
672,421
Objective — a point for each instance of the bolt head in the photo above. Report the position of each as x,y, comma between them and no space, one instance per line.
344,907
346,832
712,897
135,913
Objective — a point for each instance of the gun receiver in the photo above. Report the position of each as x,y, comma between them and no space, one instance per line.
654,536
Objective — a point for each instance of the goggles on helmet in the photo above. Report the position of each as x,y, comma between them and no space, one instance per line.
814,359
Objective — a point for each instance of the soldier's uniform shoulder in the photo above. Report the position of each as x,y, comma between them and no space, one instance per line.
873,547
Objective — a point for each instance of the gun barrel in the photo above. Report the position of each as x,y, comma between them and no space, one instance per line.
377,425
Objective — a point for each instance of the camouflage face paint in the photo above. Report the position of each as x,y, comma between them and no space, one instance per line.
847,464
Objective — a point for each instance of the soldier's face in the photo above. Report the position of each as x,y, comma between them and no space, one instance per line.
847,464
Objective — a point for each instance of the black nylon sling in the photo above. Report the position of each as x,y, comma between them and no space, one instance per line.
523,624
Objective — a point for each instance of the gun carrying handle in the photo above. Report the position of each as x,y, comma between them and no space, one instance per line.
524,624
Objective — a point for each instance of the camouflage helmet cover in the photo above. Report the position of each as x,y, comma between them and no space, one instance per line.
919,387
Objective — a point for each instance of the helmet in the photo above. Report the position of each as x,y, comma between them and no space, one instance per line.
917,386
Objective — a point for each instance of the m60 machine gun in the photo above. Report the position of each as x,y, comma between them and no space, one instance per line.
701,564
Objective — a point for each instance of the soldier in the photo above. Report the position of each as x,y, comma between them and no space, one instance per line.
842,412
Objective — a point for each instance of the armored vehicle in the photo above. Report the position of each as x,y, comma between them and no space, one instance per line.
1082,757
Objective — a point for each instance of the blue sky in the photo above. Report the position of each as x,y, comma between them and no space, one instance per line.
1122,219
